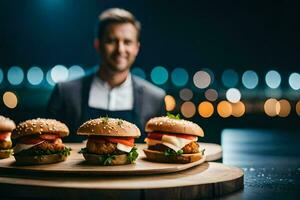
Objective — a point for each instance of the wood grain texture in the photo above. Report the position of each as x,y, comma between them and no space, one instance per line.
205,180
75,164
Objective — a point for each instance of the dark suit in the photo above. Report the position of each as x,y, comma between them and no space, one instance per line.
69,100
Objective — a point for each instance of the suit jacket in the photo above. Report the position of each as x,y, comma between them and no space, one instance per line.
69,100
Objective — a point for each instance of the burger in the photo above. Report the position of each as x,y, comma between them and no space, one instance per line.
38,141
6,126
172,140
110,141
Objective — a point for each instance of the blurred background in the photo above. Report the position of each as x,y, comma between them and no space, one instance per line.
223,64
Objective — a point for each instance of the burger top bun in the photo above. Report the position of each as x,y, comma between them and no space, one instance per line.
40,126
169,125
109,127
6,124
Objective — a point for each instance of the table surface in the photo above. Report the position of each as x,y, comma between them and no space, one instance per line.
270,160
208,179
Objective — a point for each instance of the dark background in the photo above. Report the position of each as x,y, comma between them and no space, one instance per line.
241,35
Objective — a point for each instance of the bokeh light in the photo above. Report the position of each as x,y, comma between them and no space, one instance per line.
15,75
10,100
59,73
179,77
224,109
211,74
202,79
294,81
271,107
49,78
139,72
76,72
35,75
170,103
205,109
186,94
238,109
211,94
188,109
285,108
233,95
273,79
1,76
298,108
230,78
250,79
159,75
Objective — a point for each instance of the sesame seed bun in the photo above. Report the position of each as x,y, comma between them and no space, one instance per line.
5,153
41,159
118,160
6,124
40,126
109,127
169,125
157,156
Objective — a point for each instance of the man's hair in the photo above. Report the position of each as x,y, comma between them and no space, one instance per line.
116,16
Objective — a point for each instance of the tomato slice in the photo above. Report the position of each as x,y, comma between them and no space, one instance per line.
48,136
158,136
97,139
30,140
128,141
4,135
155,136
38,138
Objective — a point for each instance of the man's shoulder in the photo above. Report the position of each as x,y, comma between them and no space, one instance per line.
77,83
148,87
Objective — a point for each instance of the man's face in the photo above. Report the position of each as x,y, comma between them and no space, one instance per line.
119,46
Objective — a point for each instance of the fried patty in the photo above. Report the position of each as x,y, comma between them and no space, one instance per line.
103,147
192,147
50,145
5,144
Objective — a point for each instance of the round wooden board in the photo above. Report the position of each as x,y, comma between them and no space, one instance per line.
206,180
75,164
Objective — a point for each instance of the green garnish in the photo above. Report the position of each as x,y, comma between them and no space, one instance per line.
107,159
105,119
132,155
171,152
83,150
203,152
40,152
120,122
171,116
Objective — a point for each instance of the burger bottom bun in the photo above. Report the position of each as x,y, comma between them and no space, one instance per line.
39,160
5,153
96,159
157,156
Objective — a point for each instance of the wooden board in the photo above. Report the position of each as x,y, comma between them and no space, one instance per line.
212,152
206,180
75,164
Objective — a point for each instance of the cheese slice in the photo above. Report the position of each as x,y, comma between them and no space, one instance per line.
152,142
175,143
123,147
20,147
7,139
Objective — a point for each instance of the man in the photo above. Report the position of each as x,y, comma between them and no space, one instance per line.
112,91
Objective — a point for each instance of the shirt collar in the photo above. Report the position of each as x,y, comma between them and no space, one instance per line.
125,84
